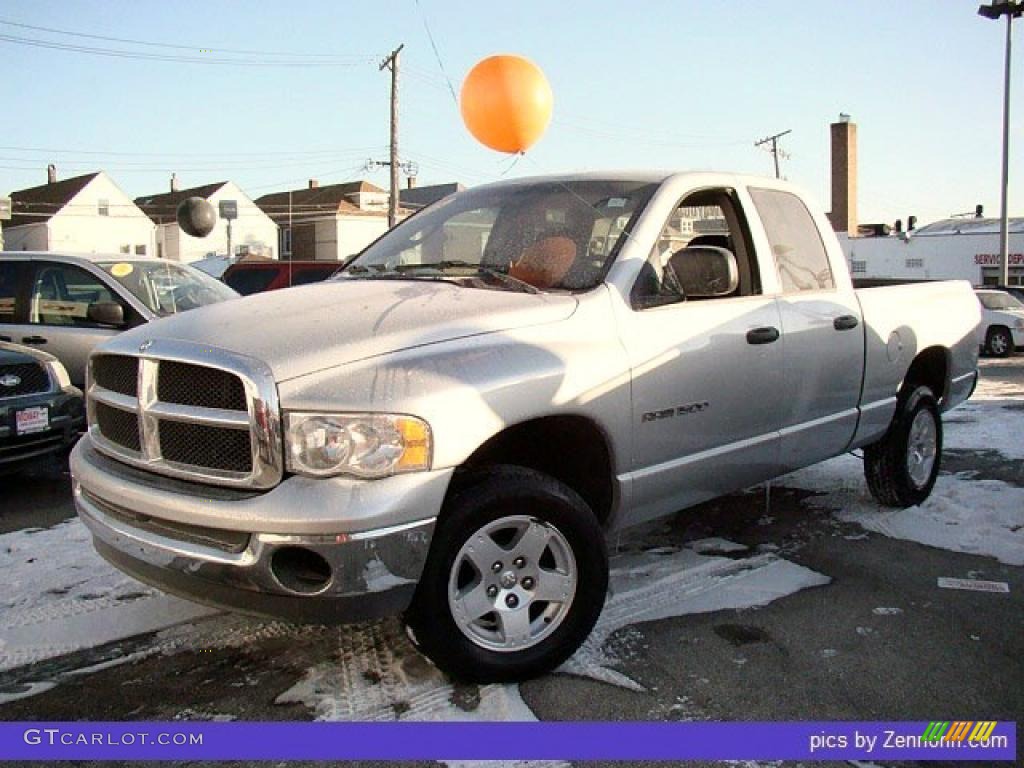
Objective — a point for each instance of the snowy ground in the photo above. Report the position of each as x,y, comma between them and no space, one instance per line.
60,598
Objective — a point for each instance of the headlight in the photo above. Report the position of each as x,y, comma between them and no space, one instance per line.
365,445
59,374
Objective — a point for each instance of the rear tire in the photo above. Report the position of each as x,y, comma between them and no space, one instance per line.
999,342
515,580
901,468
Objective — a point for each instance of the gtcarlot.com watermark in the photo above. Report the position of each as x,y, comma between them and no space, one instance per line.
81,738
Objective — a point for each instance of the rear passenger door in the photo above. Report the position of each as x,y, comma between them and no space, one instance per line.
823,332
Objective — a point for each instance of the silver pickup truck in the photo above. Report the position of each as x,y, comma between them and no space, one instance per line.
451,427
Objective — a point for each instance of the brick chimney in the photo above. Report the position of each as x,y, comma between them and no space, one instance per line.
51,174
844,176
174,183
410,182
314,184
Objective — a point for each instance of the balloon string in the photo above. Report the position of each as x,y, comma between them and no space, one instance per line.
437,54
515,161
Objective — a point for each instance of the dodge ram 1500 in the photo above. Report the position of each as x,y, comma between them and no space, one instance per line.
452,425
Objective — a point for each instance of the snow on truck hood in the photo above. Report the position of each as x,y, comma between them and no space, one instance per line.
309,328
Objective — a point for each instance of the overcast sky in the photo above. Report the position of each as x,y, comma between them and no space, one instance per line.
675,85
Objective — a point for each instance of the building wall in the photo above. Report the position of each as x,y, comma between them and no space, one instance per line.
972,257
27,237
357,232
79,228
252,228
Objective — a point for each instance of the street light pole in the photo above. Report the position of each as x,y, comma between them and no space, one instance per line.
1011,9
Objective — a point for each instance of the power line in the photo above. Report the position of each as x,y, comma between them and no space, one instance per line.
258,153
179,46
247,60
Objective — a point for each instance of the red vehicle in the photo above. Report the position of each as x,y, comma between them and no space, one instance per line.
256,276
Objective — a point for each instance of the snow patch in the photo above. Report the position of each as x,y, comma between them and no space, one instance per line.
646,587
60,596
978,517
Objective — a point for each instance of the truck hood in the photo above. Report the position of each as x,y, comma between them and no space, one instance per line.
301,330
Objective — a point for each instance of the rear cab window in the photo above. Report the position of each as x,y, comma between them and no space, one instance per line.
797,248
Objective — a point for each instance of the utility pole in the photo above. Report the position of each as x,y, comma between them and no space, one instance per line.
774,141
1011,9
391,62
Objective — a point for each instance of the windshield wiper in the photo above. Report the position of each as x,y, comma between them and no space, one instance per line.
493,272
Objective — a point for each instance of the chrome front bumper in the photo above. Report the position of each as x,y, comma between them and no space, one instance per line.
365,574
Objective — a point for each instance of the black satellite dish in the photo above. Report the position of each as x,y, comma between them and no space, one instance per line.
196,216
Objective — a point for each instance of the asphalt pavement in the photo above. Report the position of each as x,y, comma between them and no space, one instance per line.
880,641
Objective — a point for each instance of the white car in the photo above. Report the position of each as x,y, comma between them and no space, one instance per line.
1002,322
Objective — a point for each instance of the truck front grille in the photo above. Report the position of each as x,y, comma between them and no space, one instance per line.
199,446
200,386
120,427
18,379
116,373
212,422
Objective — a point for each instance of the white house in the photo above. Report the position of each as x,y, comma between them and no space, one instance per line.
84,214
327,223
960,249
253,232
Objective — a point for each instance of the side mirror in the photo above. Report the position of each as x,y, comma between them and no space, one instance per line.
106,313
705,271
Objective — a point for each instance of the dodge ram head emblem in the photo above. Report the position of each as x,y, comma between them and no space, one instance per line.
10,380
145,345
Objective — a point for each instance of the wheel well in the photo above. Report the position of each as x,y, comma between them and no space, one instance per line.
929,368
572,449
994,328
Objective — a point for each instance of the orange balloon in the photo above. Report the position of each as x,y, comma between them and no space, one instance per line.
506,103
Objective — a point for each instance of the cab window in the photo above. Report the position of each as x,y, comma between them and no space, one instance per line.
796,243
703,252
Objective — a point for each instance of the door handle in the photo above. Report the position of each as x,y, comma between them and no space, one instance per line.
6,338
762,335
33,340
845,322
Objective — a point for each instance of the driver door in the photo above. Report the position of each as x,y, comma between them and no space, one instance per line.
706,369
58,315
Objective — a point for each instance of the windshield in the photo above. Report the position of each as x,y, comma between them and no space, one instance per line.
998,300
167,288
534,236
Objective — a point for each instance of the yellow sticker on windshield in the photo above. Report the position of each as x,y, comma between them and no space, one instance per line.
121,270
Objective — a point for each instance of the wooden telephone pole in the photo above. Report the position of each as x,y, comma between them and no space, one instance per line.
391,62
774,149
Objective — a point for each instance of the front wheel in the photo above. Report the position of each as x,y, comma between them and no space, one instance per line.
515,580
901,467
999,343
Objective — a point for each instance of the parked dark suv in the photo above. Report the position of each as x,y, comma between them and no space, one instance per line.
40,411
257,276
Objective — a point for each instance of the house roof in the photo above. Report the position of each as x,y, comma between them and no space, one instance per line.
317,201
40,204
421,197
163,208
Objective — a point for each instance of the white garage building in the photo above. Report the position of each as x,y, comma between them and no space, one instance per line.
962,249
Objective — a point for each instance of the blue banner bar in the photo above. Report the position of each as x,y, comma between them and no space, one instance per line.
494,741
